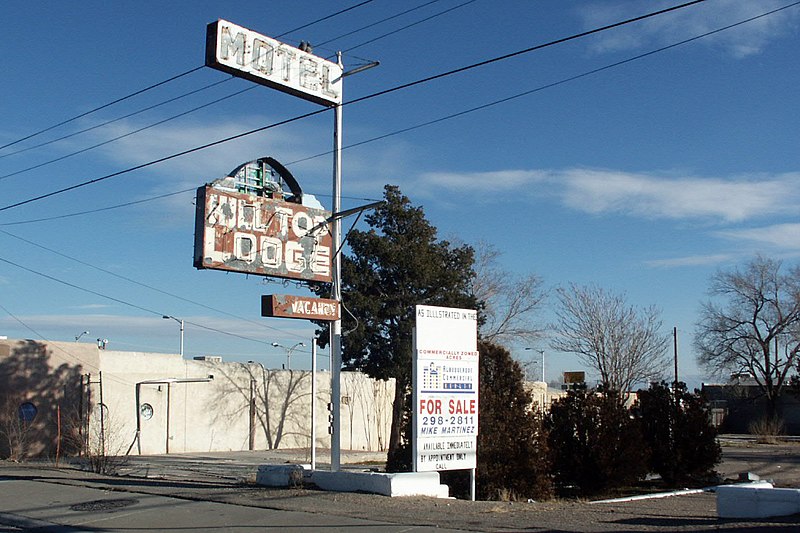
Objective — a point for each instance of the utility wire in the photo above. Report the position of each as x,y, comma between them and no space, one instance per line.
84,363
123,302
161,196
139,283
141,91
179,97
371,96
164,82
426,19
544,87
304,26
443,118
118,100
106,123
348,34
108,141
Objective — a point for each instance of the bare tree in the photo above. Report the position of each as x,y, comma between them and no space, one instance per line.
756,328
623,343
510,302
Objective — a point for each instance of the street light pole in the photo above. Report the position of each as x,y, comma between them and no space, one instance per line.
288,352
336,273
179,321
541,355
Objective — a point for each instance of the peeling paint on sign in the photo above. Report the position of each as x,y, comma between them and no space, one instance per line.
287,306
259,235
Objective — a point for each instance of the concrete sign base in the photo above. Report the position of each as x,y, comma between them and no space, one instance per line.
759,500
397,484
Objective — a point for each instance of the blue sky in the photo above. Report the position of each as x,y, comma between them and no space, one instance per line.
644,178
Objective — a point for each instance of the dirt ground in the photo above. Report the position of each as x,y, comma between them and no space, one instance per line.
221,479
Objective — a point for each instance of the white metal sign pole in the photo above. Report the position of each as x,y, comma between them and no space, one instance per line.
313,404
336,325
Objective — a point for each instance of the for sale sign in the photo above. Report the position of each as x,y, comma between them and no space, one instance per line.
445,389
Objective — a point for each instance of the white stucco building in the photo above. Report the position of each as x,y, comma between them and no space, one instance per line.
51,395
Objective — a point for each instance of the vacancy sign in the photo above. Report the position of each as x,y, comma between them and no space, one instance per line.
445,417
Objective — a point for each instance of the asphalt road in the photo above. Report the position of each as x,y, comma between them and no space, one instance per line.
198,492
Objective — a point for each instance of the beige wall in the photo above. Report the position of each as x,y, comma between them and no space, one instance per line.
201,416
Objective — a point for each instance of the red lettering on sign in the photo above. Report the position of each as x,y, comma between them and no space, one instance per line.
431,407
462,407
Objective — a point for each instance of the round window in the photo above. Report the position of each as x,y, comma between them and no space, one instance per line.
147,411
27,412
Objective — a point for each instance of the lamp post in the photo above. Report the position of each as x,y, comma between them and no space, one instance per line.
288,352
336,273
541,355
77,337
179,321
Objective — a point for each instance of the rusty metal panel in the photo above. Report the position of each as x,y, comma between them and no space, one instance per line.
286,306
574,377
251,234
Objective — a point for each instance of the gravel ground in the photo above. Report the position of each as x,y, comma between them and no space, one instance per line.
222,478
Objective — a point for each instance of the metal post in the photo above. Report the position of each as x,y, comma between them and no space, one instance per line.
181,338
102,420
169,390
675,351
313,405
336,275
252,436
472,484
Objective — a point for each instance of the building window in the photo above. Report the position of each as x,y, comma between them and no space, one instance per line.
27,412
146,410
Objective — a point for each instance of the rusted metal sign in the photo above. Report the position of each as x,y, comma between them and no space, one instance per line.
574,377
261,59
286,306
242,232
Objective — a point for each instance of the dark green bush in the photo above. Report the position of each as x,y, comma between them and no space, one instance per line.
512,444
682,441
595,445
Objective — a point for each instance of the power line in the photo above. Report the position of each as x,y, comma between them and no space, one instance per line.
376,23
84,363
99,209
123,302
159,197
106,123
138,130
546,86
158,84
141,284
109,104
355,101
440,119
426,19
63,157
304,26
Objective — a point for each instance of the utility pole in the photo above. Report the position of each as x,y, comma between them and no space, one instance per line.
675,351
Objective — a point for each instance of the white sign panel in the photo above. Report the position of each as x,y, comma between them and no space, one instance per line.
445,389
261,59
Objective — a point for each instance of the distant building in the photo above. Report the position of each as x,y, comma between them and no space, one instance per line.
62,397
736,405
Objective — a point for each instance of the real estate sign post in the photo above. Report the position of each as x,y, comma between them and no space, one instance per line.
445,417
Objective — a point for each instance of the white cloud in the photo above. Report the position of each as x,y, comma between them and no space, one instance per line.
741,41
781,236
641,195
651,196
488,182
692,260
